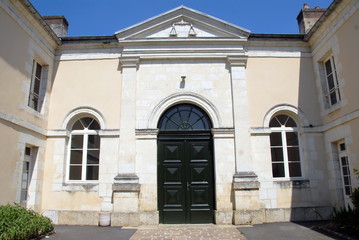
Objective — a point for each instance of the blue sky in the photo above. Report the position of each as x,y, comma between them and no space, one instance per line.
105,17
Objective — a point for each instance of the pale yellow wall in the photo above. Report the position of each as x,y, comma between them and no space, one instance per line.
273,81
17,50
354,149
339,38
93,83
347,61
20,125
9,159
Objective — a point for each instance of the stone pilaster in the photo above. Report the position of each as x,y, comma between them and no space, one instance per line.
127,152
126,191
240,113
223,141
246,194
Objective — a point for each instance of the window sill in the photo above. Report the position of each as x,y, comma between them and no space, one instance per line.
80,186
334,108
32,111
291,183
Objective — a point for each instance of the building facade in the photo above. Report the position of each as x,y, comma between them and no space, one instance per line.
183,118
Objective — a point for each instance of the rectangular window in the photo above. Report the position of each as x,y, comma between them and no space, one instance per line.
284,144
333,93
34,94
27,170
345,170
84,157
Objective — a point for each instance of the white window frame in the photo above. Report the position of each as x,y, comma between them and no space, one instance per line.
85,133
32,94
344,154
283,130
27,173
336,88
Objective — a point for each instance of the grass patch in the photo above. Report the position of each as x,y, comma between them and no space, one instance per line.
18,223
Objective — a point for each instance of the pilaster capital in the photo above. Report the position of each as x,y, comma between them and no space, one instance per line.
128,62
222,132
237,61
150,133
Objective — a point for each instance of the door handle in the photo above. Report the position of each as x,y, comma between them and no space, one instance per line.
188,185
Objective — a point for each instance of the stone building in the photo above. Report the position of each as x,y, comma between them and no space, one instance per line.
183,118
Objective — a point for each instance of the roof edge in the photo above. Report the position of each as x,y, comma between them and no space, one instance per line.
39,18
273,36
319,22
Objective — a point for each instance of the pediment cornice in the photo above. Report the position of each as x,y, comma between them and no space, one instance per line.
182,23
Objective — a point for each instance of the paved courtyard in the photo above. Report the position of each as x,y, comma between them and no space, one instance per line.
268,231
186,232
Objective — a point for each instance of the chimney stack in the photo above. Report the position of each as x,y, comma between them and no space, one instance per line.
308,17
58,24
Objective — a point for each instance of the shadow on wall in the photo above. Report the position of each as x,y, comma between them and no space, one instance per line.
310,193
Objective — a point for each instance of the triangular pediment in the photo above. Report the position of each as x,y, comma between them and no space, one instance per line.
182,22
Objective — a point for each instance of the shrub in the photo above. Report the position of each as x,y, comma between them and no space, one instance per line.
18,223
347,219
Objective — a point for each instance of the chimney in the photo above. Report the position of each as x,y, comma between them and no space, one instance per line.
58,24
307,17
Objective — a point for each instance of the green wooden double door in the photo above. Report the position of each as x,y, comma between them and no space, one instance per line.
185,180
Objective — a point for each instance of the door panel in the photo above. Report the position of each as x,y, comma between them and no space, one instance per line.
185,181
201,181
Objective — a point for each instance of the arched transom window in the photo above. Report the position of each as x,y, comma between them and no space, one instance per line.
84,150
185,117
284,147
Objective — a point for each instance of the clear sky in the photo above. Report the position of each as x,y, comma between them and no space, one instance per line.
105,17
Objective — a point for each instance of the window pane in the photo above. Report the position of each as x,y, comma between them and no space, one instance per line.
77,126
290,123
37,86
347,180
93,142
76,157
330,82
170,125
345,171
293,154
333,98
278,169
34,102
77,141
342,147
344,161
274,123
38,71
184,117
277,154
292,138
198,125
294,169
94,125
328,67
75,173
86,121
348,190
282,119
92,173
93,156
275,139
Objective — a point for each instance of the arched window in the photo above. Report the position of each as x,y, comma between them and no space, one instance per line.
84,150
185,117
284,147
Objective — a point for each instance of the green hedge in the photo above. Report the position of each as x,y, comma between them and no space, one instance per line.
18,223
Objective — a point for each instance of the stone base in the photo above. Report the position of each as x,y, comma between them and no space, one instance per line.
134,219
245,217
64,217
224,217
